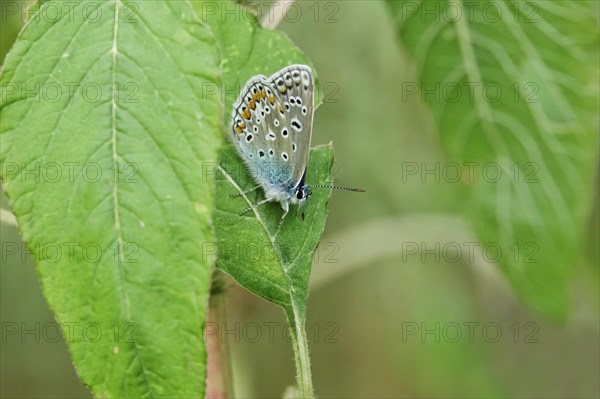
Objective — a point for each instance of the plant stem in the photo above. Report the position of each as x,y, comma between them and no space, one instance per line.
306,387
7,217
302,358
219,381
275,14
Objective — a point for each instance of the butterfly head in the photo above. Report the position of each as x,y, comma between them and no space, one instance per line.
301,195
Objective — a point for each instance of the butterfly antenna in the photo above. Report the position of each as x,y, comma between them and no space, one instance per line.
356,190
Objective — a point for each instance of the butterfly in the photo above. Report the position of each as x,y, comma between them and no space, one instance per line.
271,128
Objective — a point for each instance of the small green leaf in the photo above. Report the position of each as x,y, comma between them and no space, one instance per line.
513,88
273,262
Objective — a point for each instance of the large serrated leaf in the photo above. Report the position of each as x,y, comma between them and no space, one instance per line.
94,140
513,87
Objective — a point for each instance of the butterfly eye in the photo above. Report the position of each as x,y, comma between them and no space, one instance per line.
300,194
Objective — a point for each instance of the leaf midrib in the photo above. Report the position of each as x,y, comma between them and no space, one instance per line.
486,114
271,237
115,194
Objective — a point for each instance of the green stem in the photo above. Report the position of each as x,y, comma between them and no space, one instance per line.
301,356
7,217
275,14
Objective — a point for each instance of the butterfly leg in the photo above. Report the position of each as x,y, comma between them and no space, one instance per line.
286,209
250,207
244,193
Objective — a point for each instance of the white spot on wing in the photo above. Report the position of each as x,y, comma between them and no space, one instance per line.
270,136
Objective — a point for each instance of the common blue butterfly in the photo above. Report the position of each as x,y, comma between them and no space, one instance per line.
271,128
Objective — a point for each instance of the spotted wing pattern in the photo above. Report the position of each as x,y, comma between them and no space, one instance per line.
272,124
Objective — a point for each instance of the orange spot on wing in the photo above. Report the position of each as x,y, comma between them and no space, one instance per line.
246,114
252,104
272,99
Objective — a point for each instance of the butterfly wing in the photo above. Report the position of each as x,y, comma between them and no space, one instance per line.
271,127
295,91
254,127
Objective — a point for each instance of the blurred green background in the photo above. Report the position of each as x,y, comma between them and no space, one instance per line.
366,296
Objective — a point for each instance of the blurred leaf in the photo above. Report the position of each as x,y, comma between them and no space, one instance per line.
11,23
274,264
513,88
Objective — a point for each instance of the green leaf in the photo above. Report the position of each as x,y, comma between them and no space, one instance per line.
270,260
101,157
513,89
